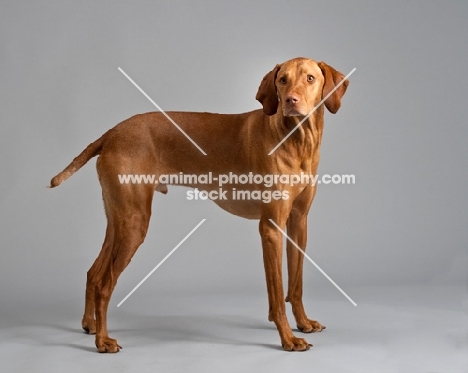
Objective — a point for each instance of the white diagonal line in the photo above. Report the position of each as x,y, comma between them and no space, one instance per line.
312,111
162,111
161,262
315,264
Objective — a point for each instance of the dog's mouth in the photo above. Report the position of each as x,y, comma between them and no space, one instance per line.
292,112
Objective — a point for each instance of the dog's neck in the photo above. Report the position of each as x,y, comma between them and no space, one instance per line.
305,141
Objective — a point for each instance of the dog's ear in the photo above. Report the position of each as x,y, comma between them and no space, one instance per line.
267,94
332,79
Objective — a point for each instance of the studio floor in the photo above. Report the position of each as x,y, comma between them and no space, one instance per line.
391,330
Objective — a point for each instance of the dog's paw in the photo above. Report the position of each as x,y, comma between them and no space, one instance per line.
108,345
311,326
89,325
297,344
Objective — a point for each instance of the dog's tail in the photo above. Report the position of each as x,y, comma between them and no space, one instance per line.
91,151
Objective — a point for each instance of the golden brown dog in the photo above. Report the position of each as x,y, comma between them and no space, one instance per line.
148,144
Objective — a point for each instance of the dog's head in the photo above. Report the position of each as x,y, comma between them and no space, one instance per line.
298,85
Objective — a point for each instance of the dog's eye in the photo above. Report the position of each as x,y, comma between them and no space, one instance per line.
282,80
310,78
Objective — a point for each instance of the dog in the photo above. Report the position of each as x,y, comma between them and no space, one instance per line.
234,143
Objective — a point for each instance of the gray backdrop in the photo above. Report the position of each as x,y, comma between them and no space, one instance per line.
401,130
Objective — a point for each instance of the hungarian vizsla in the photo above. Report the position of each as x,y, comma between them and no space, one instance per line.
149,144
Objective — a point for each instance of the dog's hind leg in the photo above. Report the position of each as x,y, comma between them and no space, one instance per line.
128,211
129,224
89,323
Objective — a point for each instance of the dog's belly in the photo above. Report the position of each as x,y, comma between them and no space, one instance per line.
247,209
241,202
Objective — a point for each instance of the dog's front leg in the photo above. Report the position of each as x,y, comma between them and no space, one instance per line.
272,255
297,232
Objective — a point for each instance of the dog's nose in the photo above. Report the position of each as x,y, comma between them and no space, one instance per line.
292,99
